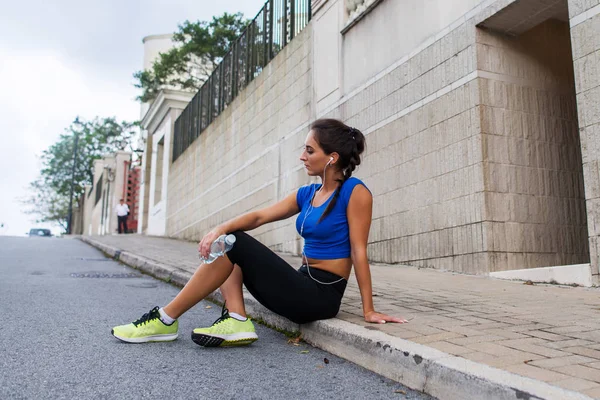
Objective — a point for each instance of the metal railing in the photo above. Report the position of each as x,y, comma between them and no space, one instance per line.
277,23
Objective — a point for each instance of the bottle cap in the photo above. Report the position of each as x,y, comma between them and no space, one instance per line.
230,239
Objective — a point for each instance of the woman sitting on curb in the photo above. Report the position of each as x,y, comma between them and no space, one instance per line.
334,220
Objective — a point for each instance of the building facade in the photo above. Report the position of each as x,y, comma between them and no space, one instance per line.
482,121
112,181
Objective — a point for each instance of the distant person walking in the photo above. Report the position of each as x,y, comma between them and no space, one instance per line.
122,213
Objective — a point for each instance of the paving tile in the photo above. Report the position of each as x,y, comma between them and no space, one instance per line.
437,337
534,348
580,371
546,335
576,384
508,320
527,340
569,343
595,326
398,331
590,335
553,363
424,309
536,373
593,392
514,359
450,348
493,348
492,325
424,329
480,357
528,327
477,320
452,323
567,329
435,319
474,339
595,364
583,351
505,334
463,330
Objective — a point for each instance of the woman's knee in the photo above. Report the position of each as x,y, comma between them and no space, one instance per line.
240,246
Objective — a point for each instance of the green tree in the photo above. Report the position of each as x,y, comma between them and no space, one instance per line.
50,191
198,48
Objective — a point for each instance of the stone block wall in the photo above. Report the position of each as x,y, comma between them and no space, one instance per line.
535,208
472,152
423,161
585,37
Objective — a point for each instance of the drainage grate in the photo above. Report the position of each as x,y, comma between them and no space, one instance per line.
93,259
104,275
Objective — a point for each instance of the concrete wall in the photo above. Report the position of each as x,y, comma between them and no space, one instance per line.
585,36
535,207
400,27
423,160
420,110
427,99
158,124
161,160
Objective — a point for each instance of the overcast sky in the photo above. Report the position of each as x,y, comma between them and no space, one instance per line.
66,58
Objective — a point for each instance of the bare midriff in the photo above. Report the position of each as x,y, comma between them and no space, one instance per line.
338,266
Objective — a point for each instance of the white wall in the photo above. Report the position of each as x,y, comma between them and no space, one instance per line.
157,210
392,30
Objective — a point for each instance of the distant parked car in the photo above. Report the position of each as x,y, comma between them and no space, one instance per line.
39,232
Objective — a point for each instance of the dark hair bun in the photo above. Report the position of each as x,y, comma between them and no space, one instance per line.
335,136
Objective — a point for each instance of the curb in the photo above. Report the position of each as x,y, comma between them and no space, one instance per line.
417,366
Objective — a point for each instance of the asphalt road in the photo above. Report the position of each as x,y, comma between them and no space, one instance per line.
60,298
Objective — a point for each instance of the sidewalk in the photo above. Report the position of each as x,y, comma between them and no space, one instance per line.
468,337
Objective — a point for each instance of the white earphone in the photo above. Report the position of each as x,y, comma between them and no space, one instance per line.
330,160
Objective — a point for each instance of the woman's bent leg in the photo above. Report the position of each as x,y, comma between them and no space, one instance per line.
232,292
280,287
206,279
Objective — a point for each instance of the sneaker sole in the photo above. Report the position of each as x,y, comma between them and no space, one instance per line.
243,339
153,338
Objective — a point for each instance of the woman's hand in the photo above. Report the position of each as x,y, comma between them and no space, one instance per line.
207,240
378,318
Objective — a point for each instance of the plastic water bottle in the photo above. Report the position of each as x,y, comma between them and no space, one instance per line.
220,246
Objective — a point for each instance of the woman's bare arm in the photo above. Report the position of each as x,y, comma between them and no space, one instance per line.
360,211
281,210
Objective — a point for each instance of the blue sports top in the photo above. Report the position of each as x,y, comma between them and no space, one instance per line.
330,238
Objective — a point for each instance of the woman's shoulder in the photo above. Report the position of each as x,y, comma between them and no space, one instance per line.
348,187
353,182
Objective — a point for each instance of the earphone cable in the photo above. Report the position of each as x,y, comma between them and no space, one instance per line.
308,211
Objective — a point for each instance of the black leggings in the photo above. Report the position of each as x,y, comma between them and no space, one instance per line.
281,288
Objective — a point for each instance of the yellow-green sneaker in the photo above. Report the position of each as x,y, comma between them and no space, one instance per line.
226,331
149,328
